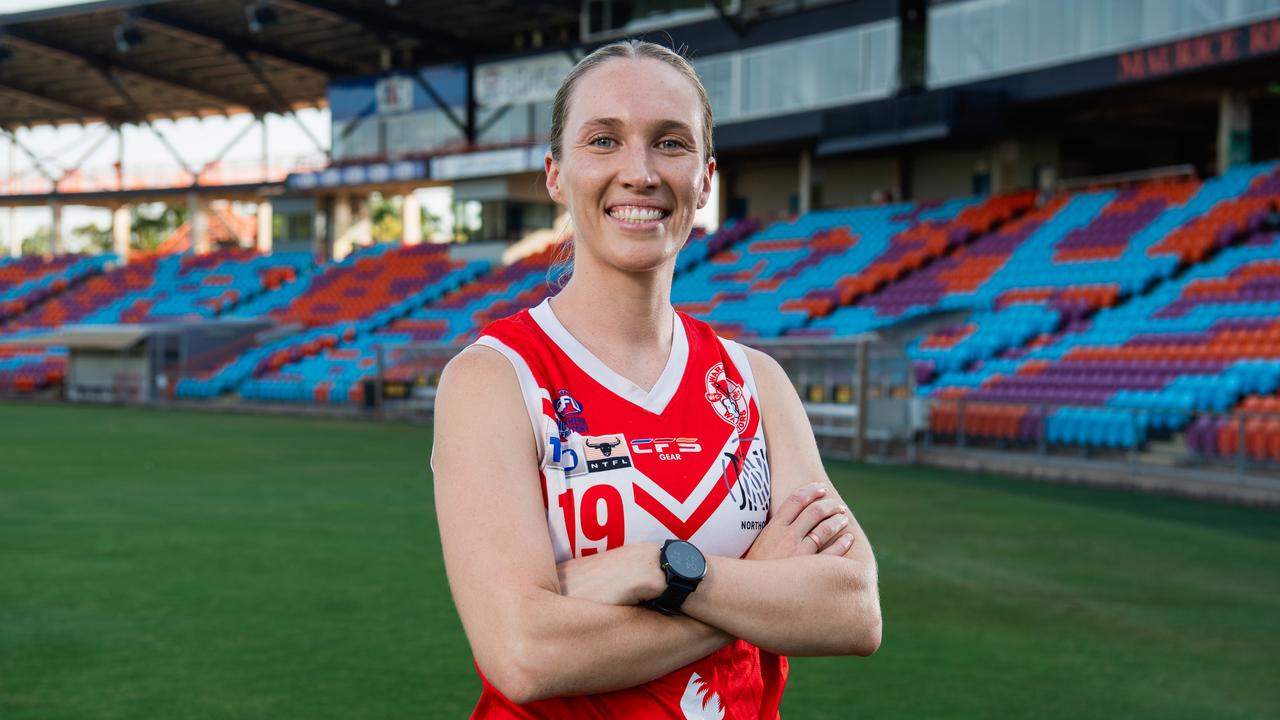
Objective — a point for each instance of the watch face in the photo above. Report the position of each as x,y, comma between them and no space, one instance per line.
686,560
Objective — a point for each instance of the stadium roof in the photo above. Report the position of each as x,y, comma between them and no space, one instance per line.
94,337
123,336
132,61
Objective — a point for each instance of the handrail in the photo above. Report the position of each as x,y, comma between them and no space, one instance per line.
1169,172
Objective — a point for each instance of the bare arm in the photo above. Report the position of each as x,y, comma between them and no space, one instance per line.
782,596
529,640
819,605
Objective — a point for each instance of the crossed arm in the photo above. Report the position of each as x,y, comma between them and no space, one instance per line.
538,630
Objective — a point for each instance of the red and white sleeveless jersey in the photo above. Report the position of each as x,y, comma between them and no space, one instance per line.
685,460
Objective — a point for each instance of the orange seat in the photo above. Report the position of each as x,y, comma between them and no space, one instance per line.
1227,435
1271,439
1255,440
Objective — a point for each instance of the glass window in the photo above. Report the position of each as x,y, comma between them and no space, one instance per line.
1124,23
418,132
984,38
356,138
717,78
818,71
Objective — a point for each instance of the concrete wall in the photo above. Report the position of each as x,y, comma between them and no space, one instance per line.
848,181
768,185
294,221
943,173
94,374
1035,153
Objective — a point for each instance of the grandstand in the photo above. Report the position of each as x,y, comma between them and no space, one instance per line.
1098,316
1156,352
1122,309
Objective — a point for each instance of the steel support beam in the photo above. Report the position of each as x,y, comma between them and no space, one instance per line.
37,97
235,44
381,23
735,23
108,66
468,131
35,159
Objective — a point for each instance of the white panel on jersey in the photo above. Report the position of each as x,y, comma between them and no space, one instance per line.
713,475
656,399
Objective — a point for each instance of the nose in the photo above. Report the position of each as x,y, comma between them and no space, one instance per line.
637,171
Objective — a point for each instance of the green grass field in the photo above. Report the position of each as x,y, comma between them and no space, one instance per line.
162,564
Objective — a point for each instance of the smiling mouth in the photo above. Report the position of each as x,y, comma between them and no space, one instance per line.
635,214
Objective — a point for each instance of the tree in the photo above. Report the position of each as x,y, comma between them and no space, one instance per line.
155,222
385,216
92,238
384,213
38,243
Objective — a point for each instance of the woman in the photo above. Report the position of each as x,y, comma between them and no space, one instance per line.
646,427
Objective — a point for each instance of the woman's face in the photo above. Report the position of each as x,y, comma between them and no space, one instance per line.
631,171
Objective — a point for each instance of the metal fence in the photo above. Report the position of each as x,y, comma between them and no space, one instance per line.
834,378
1240,442
860,397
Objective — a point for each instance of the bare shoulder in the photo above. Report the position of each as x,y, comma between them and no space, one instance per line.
764,366
478,396
476,365
481,380
779,403
793,452
775,388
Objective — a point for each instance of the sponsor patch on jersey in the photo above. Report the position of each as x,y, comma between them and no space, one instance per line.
727,398
751,484
606,452
666,448
566,455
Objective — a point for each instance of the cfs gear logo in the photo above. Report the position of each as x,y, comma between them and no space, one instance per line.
727,399
569,415
606,452
665,448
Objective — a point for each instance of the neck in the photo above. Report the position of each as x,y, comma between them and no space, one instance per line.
636,305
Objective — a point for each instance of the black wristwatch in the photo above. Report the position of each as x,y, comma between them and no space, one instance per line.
685,567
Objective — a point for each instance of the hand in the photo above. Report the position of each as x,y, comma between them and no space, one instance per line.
806,523
622,576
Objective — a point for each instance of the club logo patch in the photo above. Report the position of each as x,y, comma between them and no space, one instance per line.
606,452
569,415
727,399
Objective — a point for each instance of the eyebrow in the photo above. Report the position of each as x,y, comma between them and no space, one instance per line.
614,123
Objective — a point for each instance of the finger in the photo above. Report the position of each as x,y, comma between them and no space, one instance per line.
799,500
840,546
829,529
814,513
809,545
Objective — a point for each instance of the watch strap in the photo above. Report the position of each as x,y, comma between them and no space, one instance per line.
669,602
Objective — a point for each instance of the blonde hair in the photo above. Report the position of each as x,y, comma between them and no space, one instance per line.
562,266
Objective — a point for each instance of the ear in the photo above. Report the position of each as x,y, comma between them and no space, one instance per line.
553,177
707,174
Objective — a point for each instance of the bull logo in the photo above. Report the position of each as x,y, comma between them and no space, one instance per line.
606,449
606,452
727,398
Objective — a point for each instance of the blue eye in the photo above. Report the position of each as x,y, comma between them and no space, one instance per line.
602,138
671,144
